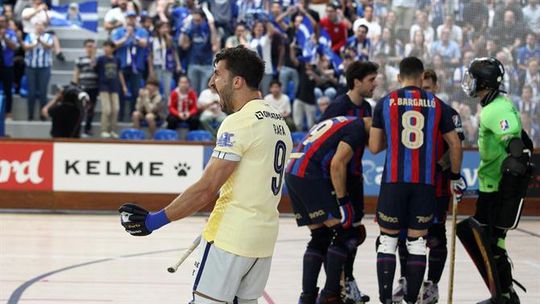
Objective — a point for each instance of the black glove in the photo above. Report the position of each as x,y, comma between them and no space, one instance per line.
133,218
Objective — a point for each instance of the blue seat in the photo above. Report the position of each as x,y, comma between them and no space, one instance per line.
297,137
199,135
166,134
132,134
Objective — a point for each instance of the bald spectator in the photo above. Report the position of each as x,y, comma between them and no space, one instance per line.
448,49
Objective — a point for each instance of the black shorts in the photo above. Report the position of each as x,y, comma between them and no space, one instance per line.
355,189
406,205
441,209
312,200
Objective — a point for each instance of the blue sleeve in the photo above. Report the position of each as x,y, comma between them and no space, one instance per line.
27,39
142,33
117,34
378,115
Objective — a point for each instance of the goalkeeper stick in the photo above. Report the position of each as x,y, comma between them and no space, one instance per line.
452,250
173,269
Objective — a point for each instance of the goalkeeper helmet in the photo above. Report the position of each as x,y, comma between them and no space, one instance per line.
482,73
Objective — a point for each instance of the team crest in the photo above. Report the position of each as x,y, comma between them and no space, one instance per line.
225,140
504,125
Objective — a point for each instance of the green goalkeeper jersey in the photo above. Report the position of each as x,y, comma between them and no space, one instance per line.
499,122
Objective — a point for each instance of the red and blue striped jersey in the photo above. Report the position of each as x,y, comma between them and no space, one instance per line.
442,180
411,119
343,106
312,157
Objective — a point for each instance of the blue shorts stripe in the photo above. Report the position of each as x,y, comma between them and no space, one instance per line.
201,267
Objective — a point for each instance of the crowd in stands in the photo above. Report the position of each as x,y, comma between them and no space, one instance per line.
159,54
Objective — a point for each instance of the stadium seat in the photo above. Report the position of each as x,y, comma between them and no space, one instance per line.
132,134
297,137
166,134
199,135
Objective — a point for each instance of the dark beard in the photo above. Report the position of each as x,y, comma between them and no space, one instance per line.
226,100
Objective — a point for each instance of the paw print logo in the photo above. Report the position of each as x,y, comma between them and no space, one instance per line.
182,169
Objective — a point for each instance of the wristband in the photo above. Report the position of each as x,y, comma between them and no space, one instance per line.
344,200
454,176
156,220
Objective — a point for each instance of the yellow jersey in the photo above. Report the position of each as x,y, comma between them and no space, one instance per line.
245,218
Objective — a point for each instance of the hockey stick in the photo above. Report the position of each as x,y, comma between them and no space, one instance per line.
173,269
452,250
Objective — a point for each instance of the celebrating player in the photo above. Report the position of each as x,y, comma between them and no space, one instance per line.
436,237
503,175
407,122
247,166
317,182
360,77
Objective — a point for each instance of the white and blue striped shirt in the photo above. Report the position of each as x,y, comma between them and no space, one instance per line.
38,57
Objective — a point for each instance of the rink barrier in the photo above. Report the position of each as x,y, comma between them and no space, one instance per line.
102,174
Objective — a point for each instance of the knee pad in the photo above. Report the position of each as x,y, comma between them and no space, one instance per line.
320,239
437,236
416,246
387,243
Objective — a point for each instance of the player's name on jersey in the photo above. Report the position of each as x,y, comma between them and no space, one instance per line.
412,102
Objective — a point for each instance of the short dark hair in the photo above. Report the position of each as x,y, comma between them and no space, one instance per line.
109,43
88,41
359,70
430,74
153,81
274,82
411,67
244,63
365,27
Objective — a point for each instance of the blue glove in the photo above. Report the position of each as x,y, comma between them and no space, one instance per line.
347,212
458,185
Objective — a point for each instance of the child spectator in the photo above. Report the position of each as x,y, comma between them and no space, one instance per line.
183,106
110,78
148,106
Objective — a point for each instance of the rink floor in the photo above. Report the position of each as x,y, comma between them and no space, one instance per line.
66,258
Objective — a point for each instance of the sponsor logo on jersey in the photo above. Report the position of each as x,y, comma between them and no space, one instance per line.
265,114
504,125
225,140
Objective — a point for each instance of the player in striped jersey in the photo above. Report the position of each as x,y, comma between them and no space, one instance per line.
436,237
361,84
316,178
406,123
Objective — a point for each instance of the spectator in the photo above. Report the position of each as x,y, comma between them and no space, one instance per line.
8,44
304,104
390,46
38,62
86,77
417,47
325,78
391,22
446,48
335,27
212,117
183,106
374,27
360,43
37,13
444,81
223,13
131,42
405,12
262,44
422,24
240,37
531,49
508,5
148,106
390,72
287,70
164,60
456,34
116,17
527,105
73,16
531,14
468,56
67,111
110,79
8,12
280,102
510,82
200,40
531,77
207,98
509,33
322,105
476,13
